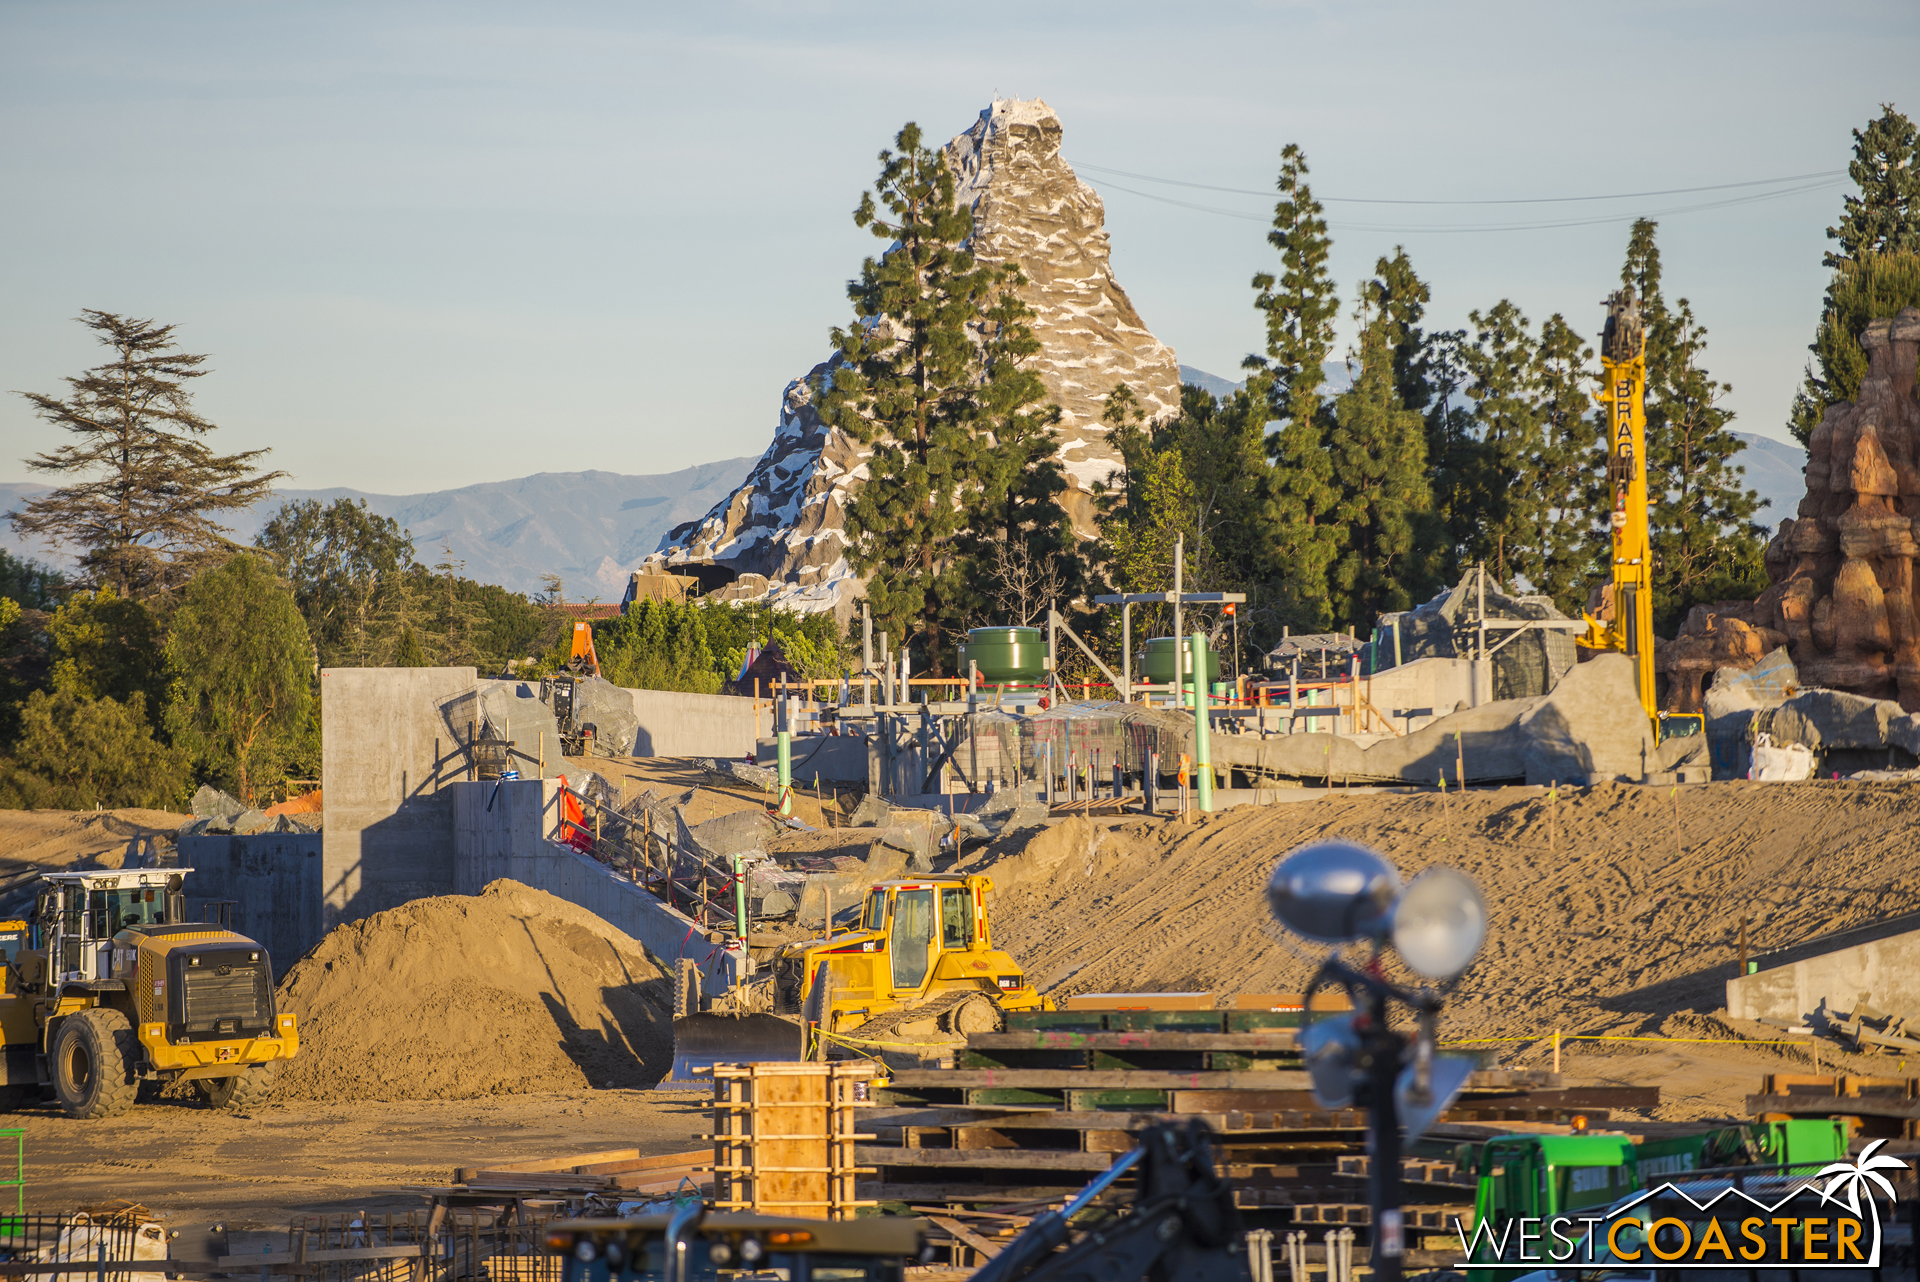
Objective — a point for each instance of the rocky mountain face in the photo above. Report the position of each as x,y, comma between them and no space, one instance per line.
783,529
1842,593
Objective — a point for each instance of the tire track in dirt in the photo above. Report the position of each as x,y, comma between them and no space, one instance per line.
1602,931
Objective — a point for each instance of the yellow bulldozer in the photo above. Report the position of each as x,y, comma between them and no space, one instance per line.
920,966
108,986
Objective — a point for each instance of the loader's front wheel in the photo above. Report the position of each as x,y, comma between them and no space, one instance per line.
242,1091
93,1055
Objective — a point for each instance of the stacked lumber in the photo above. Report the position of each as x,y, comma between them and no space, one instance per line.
1027,1116
620,1170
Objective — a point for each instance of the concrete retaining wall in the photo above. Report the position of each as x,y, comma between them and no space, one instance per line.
1887,970
273,881
697,725
509,832
389,748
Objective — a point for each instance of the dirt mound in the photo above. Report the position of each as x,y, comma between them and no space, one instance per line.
61,839
511,991
1629,918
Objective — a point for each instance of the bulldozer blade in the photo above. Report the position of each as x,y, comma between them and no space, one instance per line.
701,1041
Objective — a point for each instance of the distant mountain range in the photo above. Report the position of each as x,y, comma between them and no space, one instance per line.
590,528
593,528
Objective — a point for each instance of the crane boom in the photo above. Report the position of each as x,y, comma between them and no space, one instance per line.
1623,397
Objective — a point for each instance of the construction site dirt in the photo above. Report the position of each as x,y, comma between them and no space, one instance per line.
1616,913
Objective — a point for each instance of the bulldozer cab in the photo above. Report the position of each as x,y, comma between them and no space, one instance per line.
920,922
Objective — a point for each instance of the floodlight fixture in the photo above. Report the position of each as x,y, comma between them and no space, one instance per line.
1334,892
1440,923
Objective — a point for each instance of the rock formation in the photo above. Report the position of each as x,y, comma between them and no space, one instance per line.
1842,572
782,530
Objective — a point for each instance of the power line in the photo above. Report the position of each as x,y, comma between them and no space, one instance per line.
1525,200
1455,228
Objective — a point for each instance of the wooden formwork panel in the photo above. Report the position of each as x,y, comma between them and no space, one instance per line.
784,1137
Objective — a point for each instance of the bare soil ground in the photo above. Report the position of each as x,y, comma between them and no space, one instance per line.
198,1166
38,840
1615,913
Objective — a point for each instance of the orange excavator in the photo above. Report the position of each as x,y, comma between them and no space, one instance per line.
563,688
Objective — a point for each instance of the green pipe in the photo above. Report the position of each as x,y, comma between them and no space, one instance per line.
740,897
1202,750
785,740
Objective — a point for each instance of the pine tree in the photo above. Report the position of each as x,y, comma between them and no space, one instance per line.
1378,448
1576,545
1023,552
144,517
1884,219
1300,307
1705,545
1456,459
1509,425
926,370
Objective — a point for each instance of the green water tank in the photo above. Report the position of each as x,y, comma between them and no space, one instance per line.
1157,663
1006,655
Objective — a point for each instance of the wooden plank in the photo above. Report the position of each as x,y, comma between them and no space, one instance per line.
1044,1119
696,1157
1083,1079
1576,1097
462,1174
1140,1001
983,1159
966,1235
1833,1105
1048,1039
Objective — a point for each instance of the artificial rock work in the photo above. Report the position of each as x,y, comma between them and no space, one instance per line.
1842,572
783,529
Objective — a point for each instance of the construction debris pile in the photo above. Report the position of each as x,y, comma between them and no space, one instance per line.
512,991
216,813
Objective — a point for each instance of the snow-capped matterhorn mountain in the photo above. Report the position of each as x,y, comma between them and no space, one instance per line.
783,530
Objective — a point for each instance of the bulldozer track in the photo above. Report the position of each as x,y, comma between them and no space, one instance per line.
934,1008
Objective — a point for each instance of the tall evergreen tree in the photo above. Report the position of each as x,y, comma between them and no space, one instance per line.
1023,552
919,376
144,517
1704,542
1378,448
1576,545
1300,306
1509,425
1463,489
1884,219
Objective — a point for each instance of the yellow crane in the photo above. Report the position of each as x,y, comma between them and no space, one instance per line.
1623,397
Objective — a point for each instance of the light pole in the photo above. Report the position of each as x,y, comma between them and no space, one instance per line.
1336,892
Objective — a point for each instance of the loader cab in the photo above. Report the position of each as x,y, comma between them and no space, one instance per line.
78,914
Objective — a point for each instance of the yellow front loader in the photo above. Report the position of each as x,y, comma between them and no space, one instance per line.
108,986
920,967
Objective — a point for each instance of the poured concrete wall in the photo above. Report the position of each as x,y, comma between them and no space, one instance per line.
507,831
390,747
697,725
273,882
1886,970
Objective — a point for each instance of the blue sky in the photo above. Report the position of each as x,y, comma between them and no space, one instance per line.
430,245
